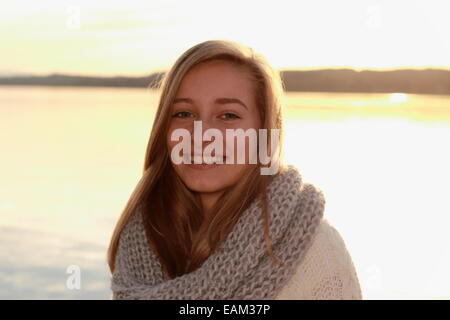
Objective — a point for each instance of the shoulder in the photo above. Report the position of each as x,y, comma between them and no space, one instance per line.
326,270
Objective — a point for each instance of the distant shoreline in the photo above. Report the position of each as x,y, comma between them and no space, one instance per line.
427,81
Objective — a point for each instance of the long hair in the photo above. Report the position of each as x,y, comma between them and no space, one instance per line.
176,228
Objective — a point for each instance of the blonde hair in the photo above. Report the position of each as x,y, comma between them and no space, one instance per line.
175,227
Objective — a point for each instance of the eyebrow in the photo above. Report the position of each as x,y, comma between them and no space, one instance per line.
217,101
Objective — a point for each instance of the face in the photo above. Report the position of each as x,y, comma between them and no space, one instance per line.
221,96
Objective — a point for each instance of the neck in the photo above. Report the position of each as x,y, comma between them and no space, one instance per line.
208,200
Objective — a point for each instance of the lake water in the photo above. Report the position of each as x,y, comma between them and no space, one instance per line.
70,158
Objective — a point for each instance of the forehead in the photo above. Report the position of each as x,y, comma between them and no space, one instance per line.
217,78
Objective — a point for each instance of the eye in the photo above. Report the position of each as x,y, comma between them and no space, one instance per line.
229,116
182,114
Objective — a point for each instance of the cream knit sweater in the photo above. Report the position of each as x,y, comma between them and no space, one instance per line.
326,272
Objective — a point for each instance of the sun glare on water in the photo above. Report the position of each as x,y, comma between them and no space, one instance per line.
398,97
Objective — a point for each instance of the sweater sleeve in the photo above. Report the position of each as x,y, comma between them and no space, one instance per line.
119,283
326,272
128,282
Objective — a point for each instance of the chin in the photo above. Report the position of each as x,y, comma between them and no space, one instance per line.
204,180
203,187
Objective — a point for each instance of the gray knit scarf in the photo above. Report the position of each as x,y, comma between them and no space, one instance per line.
245,271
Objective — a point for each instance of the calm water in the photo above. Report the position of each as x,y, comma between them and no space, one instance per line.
72,156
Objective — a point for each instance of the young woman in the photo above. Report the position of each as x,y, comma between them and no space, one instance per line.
224,228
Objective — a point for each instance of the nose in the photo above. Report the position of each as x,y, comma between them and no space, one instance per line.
198,129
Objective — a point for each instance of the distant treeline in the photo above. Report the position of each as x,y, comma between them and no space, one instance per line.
432,81
84,81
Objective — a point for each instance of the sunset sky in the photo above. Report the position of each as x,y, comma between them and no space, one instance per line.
139,37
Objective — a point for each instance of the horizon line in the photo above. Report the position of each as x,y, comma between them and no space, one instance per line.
12,74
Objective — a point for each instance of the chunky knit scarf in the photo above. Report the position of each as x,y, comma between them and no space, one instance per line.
244,270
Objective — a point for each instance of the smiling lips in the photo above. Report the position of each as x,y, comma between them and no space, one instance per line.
206,160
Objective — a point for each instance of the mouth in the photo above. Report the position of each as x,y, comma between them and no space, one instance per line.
205,162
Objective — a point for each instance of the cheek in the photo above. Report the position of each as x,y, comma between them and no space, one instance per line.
178,125
170,144
233,147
